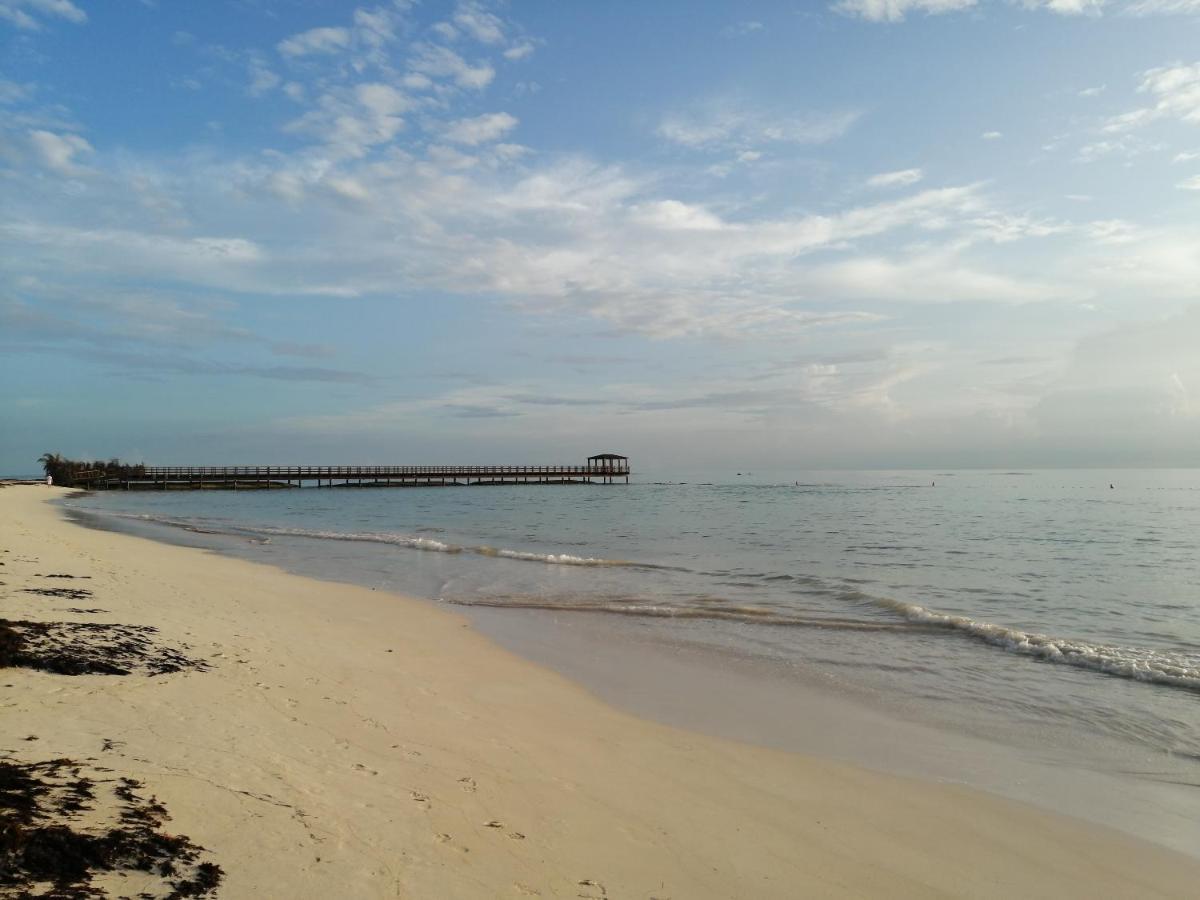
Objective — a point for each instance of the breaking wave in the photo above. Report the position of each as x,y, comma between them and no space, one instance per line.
1138,664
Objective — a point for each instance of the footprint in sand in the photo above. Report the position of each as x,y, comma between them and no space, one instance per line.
514,835
419,797
525,890
446,839
468,784
592,887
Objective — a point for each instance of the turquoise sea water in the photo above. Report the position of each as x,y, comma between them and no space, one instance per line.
1033,601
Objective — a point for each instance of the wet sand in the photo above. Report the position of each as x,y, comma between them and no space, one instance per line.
330,740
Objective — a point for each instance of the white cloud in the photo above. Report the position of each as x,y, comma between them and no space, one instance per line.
726,122
24,13
415,81
202,259
481,129
375,28
1163,7
262,79
1186,156
58,151
12,92
1190,184
743,28
934,277
1124,146
900,178
519,51
349,188
1069,7
991,135
316,41
672,215
1175,94
896,10
350,121
442,62
479,23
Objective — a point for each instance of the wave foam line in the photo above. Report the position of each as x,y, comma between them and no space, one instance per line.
1138,664
756,615
557,559
414,542
373,537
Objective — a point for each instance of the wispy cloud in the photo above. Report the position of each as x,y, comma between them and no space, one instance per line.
724,123
1174,91
897,10
481,129
29,14
743,28
59,152
899,178
315,40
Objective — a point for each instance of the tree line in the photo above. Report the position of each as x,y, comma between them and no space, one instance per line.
67,472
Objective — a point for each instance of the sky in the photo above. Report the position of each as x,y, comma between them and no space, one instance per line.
835,234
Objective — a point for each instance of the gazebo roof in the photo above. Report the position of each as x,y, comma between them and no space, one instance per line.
608,456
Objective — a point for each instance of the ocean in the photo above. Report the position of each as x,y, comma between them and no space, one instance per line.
1053,612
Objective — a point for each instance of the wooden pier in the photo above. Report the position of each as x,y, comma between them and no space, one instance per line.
604,468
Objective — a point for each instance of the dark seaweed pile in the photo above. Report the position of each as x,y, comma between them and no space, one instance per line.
66,593
45,853
89,648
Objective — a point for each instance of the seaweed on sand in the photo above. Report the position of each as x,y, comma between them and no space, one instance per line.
89,648
46,851
67,593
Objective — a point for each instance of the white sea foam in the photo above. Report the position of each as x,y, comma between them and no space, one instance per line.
414,542
1137,663
554,559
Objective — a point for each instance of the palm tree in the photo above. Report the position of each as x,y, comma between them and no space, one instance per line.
52,463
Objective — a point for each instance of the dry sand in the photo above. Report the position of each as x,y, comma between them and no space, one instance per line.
348,743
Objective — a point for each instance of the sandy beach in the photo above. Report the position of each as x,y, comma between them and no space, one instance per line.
320,740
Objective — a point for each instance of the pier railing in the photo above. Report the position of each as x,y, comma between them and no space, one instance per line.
305,472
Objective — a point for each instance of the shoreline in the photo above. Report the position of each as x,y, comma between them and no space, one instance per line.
348,742
686,674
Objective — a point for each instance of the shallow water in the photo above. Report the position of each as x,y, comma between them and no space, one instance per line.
1044,609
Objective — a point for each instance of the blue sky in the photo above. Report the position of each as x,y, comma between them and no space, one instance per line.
860,233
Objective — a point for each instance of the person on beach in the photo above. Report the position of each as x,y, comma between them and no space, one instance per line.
49,481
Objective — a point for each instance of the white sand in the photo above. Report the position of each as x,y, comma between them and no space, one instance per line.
349,743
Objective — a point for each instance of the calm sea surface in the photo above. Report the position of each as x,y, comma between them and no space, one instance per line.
1023,602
